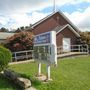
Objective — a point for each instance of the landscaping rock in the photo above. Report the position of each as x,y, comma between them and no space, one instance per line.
10,74
23,82
13,76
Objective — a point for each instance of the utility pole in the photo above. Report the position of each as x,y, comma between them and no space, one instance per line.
54,6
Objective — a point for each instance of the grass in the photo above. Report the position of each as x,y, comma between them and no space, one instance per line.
70,74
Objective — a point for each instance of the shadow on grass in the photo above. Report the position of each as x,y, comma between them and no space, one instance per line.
6,84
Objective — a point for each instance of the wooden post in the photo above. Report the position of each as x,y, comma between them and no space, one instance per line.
82,48
39,69
87,49
48,72
32,54
26,55
79,48
15,57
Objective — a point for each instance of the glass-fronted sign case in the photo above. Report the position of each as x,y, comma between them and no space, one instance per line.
45,49
42,53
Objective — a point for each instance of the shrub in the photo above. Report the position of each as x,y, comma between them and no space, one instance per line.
20,41
85,38
5,57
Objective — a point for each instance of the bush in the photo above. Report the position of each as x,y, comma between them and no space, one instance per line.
85,38
20,41
5,57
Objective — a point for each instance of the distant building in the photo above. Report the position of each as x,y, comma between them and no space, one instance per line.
4,36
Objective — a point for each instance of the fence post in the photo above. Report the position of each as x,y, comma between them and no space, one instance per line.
39,69
32,55
26,55
48,72
87,49
15,57
82,48
79,48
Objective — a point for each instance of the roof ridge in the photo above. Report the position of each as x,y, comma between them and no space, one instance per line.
61,13
68,25
38,22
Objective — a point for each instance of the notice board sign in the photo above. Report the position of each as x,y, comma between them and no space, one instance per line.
42,38
45,49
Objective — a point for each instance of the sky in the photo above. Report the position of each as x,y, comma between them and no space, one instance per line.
17,13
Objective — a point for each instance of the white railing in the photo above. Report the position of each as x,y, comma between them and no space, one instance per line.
22,55
25,55
74,48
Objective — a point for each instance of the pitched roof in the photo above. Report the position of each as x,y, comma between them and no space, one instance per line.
58,29
4,35
42,20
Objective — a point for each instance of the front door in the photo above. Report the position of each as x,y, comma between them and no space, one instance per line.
66,44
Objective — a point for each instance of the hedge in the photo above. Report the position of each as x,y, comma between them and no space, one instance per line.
5,57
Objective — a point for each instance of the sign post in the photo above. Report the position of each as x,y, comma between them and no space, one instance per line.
39,69
45,51
48,73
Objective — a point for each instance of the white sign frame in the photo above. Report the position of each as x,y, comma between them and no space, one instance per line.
51,44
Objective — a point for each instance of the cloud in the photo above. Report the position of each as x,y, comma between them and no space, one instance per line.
80,19
19,20
85,22
14,13
36,16
3,20
23,6
25,20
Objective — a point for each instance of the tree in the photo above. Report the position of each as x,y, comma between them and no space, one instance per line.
4,30
22,28
85,38
5,57
20,41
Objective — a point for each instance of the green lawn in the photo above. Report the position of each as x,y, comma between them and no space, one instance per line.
70,74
